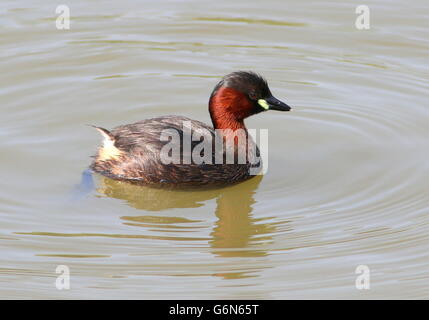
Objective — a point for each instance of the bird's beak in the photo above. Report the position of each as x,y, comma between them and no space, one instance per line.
272,103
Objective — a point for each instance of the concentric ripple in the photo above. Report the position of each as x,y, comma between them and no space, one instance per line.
348,172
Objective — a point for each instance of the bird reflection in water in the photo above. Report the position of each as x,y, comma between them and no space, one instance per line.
236,232
235,228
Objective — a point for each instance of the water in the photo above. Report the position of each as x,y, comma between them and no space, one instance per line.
347,175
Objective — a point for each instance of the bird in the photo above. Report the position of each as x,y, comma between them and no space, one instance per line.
176,151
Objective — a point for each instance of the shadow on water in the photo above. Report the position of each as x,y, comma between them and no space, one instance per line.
84,188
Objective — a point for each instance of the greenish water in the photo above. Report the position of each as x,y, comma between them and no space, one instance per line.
348,170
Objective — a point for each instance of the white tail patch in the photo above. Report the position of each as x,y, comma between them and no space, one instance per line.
108,151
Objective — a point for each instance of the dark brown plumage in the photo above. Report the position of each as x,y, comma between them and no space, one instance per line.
132,152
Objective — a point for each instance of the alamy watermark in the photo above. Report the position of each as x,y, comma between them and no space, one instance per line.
63,280
363,279
362,20
199,146
63,20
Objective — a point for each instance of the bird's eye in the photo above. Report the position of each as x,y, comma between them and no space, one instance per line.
253,95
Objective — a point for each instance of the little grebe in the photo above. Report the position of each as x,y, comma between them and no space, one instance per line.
134,152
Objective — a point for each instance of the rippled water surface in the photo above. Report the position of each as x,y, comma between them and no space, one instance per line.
348,172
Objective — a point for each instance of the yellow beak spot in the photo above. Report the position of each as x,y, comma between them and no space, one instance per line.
263,104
